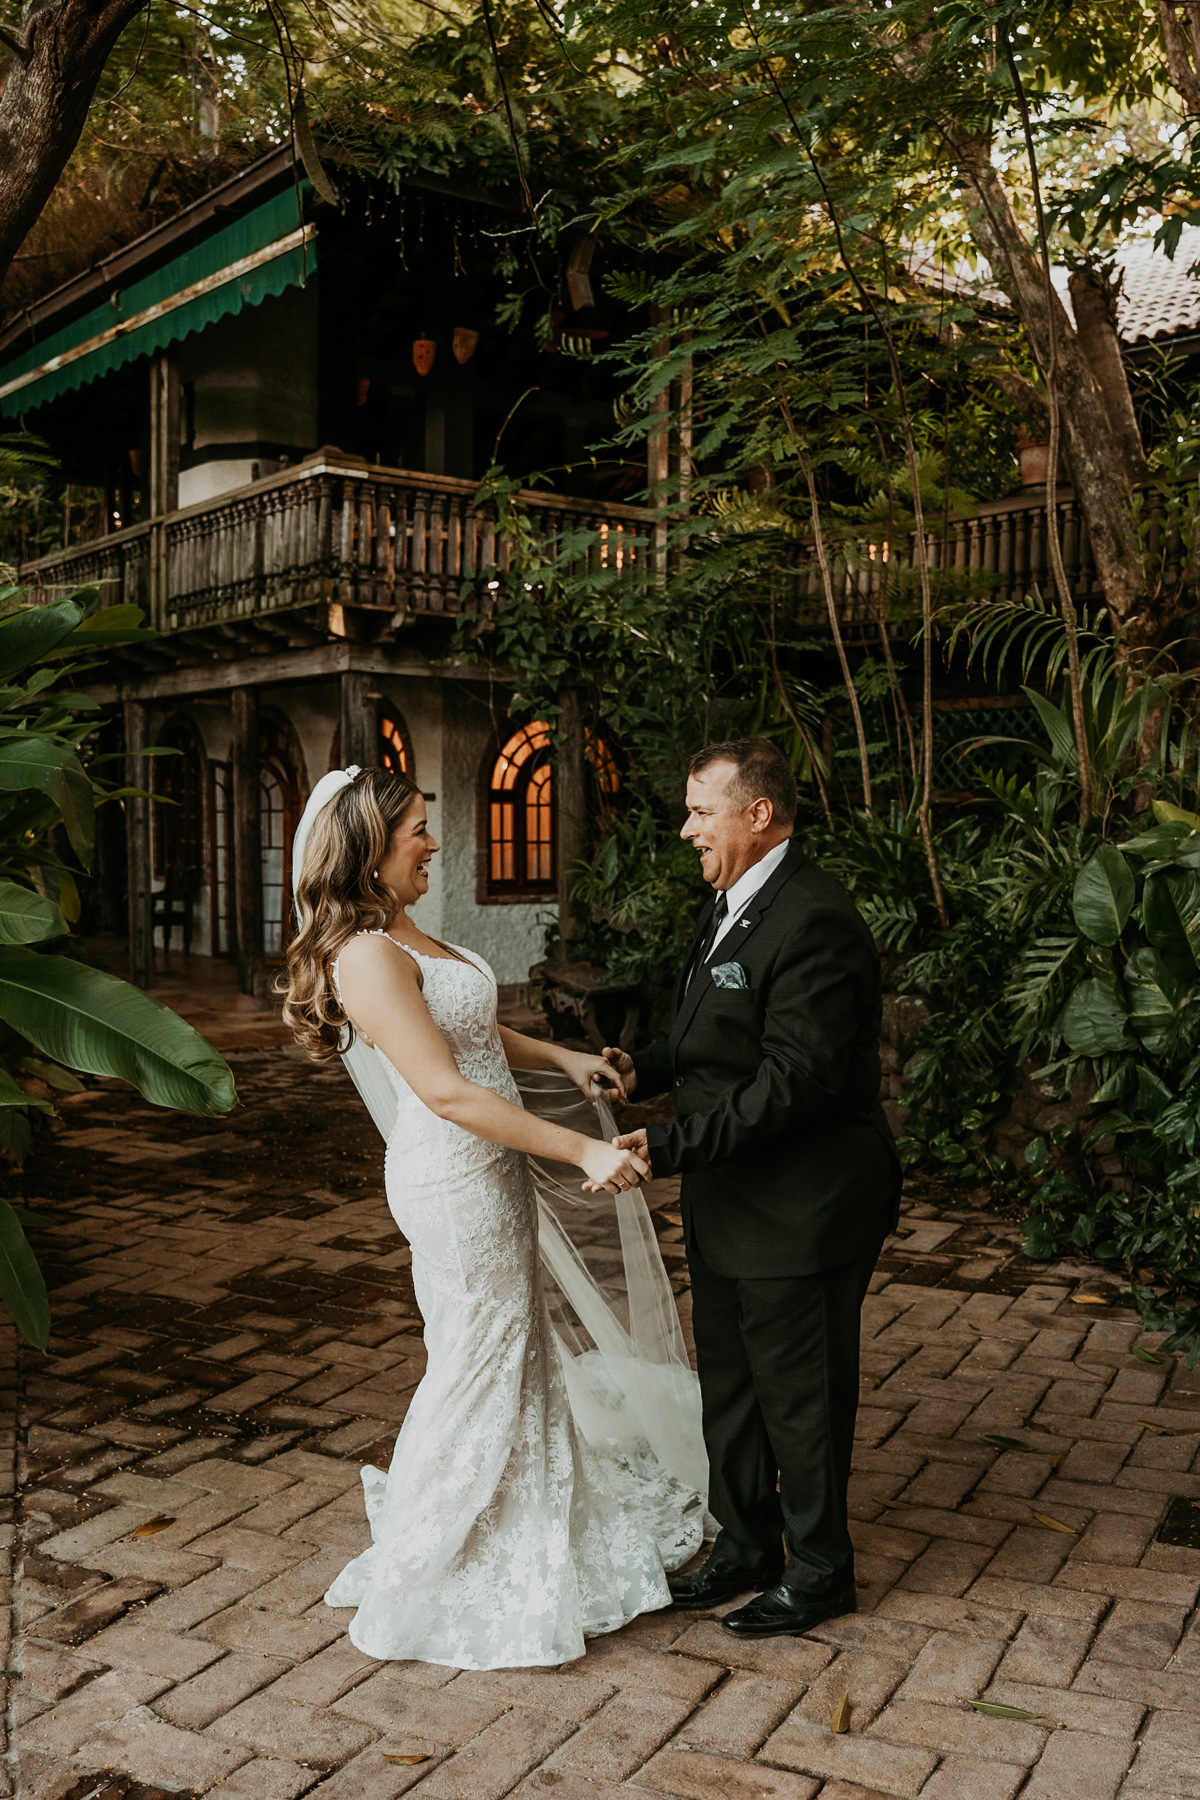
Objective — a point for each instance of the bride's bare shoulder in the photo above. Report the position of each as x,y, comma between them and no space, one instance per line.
376,957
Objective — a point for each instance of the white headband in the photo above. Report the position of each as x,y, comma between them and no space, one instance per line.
322,794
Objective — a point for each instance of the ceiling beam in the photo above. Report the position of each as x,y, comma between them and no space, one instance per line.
318,664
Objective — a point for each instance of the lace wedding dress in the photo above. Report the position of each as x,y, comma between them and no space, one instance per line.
502,1536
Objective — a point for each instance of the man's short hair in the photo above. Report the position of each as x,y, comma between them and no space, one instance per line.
761,773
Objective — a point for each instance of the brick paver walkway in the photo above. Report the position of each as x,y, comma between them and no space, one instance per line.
236,1332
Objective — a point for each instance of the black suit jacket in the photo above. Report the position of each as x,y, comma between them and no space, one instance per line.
788,1163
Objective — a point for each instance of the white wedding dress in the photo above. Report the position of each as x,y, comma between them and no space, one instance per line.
502,1537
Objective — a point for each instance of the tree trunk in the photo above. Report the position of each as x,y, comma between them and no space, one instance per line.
1094,300
54,65
1103,487
658,450
1183,49
570,805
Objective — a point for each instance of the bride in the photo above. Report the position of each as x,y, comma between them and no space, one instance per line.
502,1536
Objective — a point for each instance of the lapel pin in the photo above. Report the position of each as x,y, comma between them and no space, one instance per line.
746,924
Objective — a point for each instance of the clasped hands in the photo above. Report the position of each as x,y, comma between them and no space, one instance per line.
626,1161
637,1142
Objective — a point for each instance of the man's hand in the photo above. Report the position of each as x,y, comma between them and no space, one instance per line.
594,1076
636,1141
622,1062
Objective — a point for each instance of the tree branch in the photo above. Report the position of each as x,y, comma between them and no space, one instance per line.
1050,372
21,47
51,82
1180,66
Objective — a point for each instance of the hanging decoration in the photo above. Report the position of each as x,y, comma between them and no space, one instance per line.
423,352
579,282
464,342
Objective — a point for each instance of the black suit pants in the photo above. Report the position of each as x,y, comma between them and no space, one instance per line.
778,1362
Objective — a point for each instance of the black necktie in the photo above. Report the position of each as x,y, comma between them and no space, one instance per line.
705,948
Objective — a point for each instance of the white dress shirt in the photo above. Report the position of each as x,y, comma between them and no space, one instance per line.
739,896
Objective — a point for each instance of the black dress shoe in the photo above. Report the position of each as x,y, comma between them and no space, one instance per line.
783,1612
709,1585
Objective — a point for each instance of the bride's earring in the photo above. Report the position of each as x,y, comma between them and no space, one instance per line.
375,874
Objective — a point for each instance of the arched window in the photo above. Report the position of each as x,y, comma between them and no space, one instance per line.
393,744
179,835
395,753
521,815
520,810
605,773
279,806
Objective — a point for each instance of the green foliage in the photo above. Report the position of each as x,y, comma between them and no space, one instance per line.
1102,936
643,894
56,1013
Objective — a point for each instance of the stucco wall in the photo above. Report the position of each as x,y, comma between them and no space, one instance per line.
452,729
510,936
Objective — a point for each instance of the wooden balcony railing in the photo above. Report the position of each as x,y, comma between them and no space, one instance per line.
325,533
328,532
998,552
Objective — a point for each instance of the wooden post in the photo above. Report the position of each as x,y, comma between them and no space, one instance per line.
571,816
164,432
358,721
658,451
137,837
164,473
245,761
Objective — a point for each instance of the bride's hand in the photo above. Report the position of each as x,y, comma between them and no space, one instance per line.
606,1167
593,1076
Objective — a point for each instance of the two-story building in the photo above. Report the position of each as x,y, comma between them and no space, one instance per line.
272,415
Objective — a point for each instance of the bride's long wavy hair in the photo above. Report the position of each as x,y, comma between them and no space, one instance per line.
339,893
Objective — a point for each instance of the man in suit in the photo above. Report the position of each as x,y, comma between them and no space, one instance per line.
790,1184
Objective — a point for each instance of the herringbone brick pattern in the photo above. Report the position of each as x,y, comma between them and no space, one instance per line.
236,1332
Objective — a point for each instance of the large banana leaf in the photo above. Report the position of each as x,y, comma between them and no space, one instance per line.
21,1285
1104,894
26,917
54,769
93,1022
27,636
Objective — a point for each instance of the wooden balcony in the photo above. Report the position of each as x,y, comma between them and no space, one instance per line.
998,552
359,552
360,546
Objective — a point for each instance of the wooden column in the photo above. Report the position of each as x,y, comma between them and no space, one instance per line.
245,764
570,798
359,721
137,837
164,432
163,474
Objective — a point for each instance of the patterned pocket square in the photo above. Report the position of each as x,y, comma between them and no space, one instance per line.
729,975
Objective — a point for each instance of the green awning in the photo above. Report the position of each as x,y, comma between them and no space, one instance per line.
260,255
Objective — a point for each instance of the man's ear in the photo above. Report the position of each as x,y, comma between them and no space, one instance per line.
761,814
